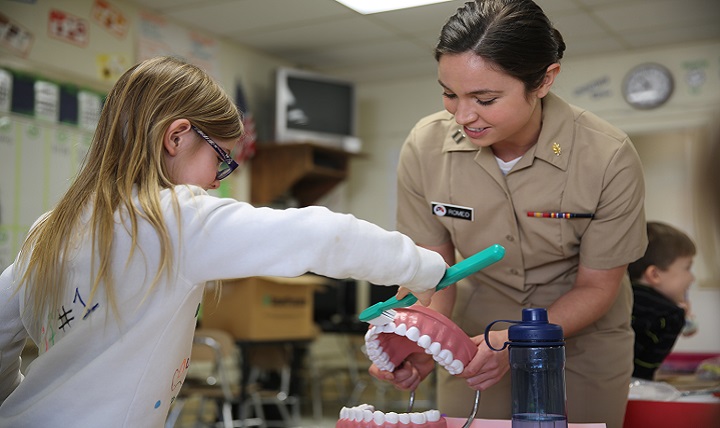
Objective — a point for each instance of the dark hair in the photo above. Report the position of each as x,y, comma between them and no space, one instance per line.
665,245
515,35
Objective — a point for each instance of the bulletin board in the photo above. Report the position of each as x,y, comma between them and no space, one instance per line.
46,127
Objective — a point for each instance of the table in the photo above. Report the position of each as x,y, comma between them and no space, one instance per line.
497,423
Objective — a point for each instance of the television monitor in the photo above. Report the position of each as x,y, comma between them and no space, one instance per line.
310,107
334,306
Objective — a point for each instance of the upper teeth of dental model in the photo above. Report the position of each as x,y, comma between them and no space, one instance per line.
417,329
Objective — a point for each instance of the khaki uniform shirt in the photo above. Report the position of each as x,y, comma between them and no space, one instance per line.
452,190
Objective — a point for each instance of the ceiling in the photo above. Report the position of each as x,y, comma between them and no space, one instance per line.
327,37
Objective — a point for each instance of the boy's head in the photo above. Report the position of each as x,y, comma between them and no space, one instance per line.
667,261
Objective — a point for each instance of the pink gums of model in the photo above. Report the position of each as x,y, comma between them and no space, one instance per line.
413,329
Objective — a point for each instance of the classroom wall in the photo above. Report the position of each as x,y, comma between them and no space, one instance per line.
88,65
93,61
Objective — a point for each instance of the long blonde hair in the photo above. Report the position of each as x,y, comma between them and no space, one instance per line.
126,155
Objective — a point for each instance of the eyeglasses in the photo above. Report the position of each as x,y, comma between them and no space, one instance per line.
228,164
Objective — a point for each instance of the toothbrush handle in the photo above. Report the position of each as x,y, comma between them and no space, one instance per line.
453,274
458,271
470,265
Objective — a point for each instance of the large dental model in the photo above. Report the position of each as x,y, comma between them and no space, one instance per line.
413,329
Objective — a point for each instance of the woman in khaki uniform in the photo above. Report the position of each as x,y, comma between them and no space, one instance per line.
562,190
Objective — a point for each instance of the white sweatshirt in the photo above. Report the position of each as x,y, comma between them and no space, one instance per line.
94,371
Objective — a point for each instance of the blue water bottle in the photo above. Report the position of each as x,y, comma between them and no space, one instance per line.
537,370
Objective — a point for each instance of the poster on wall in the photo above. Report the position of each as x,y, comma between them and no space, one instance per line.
7,188
47,101
46,128
68,28
5,90
38,160
158,37
14,36
110,18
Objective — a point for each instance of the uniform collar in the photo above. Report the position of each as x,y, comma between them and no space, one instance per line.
554,143
452,143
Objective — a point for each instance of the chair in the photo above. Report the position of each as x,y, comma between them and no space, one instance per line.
272,373
210,380
337,358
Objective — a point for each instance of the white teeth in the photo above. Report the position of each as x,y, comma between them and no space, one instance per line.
368,414
456,367
433,415
418,418
391,418
424,341
413,334
446,357
381,359
434,348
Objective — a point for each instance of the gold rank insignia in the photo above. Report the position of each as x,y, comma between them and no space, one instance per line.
556,149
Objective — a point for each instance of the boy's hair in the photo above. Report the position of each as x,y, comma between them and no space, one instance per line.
665,245
125,161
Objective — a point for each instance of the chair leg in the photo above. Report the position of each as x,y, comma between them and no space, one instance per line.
200,413
257,406
174,413
227,416
295,411
284,414
317,404
356,393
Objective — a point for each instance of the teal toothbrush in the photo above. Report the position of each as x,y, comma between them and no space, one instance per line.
383,312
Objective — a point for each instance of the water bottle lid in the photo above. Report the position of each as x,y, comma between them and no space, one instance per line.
535,330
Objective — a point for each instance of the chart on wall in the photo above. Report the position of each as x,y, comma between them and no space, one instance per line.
45,130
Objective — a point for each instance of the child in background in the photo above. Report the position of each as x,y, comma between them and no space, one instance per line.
108,284
660,281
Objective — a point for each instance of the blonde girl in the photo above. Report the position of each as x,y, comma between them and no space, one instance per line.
108,284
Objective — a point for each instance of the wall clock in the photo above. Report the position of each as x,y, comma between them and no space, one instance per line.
648,86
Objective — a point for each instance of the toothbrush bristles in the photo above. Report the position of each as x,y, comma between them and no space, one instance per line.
386,318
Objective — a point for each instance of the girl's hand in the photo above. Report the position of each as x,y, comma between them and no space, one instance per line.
487,366
424,297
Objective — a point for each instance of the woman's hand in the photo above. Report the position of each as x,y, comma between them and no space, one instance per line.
487,366
409,374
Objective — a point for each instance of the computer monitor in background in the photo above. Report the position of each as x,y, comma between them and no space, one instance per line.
335,305
315,108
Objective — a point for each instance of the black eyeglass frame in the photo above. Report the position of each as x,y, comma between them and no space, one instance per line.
225,156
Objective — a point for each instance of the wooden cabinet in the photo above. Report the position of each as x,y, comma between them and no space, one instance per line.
304,171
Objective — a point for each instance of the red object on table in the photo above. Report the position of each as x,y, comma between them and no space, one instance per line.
685,362
671,414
